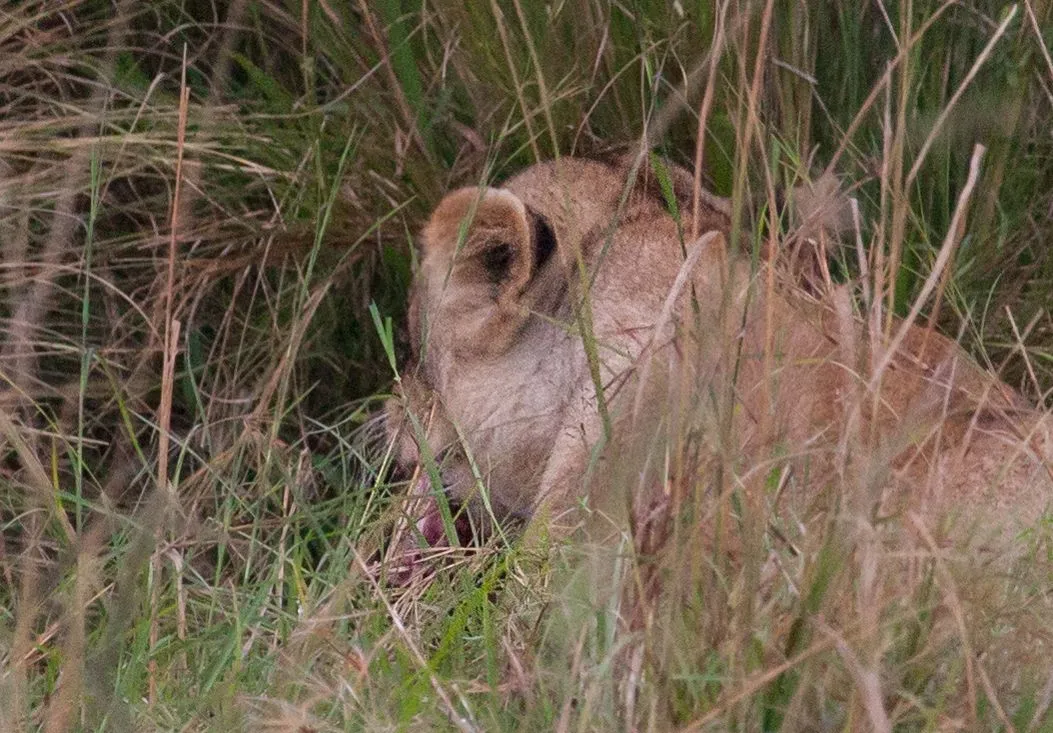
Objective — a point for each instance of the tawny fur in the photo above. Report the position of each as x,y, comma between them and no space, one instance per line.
687,337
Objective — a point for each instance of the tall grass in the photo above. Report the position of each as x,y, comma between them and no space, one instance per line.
199,202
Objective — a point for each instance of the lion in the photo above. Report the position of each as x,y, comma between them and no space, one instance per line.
567,331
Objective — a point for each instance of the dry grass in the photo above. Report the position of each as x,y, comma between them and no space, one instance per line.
199,203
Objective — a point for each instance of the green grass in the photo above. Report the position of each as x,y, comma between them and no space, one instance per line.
231,592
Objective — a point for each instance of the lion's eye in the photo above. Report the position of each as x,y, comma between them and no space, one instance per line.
497,259
544,241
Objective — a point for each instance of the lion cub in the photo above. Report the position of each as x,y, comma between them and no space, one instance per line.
568,339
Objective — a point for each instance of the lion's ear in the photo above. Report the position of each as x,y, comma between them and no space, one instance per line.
482,236
481,249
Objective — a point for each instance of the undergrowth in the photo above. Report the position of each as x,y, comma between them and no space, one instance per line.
200,203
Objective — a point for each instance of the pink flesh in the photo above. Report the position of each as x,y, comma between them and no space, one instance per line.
425,507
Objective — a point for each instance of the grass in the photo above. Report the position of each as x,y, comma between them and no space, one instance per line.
206,217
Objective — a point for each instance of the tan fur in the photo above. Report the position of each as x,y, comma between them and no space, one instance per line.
687,338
